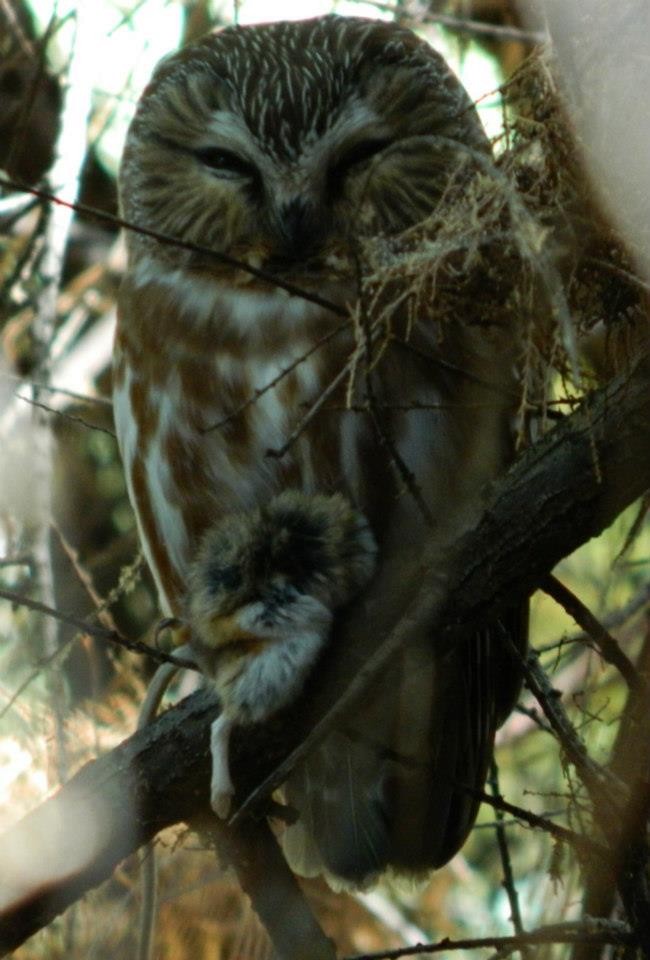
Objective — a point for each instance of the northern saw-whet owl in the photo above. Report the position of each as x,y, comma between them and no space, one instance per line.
291,147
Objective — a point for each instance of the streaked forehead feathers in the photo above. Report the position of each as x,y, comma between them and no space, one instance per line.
289,81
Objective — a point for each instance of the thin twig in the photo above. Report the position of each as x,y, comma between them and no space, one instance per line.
279,452
600,782
614,619
405,474
607,646
506,863
169,241
453,368
619,272
20,560
66,416
478,28
51,388
42,664
581,931
84,577
255,396
65,171
635,528
494,31
584,846
101,633
407,406
533,714
379,422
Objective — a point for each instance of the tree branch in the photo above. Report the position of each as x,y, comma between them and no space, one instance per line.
551,501
593,931
606,645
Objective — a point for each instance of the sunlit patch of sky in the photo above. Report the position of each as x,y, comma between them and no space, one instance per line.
129,38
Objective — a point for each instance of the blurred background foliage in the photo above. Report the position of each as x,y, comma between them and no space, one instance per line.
68,538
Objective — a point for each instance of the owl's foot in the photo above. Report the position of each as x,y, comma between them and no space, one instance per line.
221,785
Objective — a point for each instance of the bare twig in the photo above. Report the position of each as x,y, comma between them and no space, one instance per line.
585,847
65,172
255,396
321,399
607,646
20,560
101,633
506,863
602,785
379,421
169,241
72,418
583,931
494,31
615,618
43,664
635,527
477,28
84,577
51,388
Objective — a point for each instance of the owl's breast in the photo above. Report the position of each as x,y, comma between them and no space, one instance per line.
226,396
216,404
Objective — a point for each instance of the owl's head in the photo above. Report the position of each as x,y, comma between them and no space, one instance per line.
282,142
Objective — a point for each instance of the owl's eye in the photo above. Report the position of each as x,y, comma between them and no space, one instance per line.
225,162
355,156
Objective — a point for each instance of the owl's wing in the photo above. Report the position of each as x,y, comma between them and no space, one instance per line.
389,788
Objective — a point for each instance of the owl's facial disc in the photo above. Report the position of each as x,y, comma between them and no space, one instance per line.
285,144
295,192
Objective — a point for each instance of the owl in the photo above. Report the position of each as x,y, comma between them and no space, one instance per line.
251,359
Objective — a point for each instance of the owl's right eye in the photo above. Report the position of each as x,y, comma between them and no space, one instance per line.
225,162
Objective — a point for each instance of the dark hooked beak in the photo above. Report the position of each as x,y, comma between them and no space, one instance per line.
301,229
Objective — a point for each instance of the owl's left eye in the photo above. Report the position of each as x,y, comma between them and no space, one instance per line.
225,162
356,155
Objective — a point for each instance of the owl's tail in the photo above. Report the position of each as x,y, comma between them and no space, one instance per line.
396,786
341,831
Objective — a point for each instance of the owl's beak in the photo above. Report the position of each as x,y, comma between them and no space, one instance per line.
300,227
